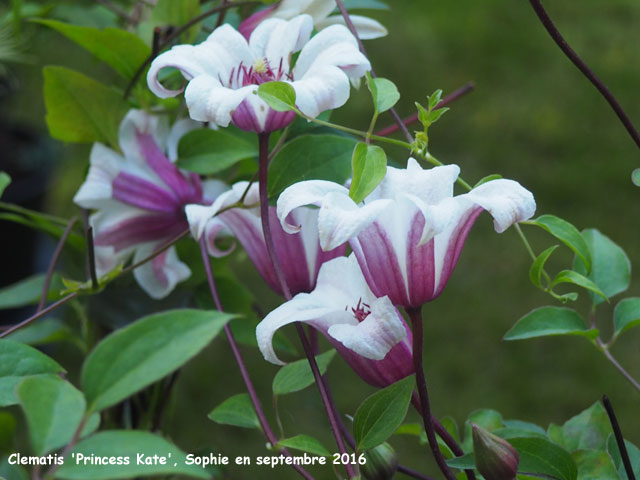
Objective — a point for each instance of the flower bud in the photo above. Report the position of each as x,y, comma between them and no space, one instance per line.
382,463
496,459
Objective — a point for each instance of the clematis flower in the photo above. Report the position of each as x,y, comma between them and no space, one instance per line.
224,72
367,331
300,255
408,233
320,11
140,196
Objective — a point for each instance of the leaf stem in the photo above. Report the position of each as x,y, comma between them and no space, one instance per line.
39,314
263,164
603,348
266,428
415,314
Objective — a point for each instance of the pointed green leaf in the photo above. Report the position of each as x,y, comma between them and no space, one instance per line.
311,157
385,94
369,165
237,411
632,451
18,361
545,321
380,414
611,269
586,431
567,234
305,443
542,457
122,50
207,151
28,291
54,409
145,351
80,109
535,272
595,465
569,276
280,96
297,375
626,314
127,444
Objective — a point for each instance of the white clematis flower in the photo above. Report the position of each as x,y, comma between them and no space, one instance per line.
225,70
320,10
408,233
367,331
139,198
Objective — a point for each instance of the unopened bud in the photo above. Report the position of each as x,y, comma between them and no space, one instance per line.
382,463
496,459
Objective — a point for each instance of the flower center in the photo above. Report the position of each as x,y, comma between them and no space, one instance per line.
257,74
361,311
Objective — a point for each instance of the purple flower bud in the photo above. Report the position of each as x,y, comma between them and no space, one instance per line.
496,459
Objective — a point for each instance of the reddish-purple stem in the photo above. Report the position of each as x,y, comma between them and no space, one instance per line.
266,428
263,165
39,314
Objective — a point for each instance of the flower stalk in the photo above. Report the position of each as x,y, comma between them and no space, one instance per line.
263,165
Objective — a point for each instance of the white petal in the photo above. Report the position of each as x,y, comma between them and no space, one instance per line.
310,192
320,9
159,276
276,39
304,307
367,28
213,230
105,164
431,185
139,122
199,215
288,9
333,46
341,219
219,57
322,89
209,101
506,200
374,337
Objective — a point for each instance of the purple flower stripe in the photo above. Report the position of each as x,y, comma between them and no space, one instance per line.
141,193
184,190
141,229
158,264
420,265
379,263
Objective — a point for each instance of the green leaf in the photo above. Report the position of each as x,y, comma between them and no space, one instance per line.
369,165
170,12
626,315
297,375
634,457
465,462
611,269
28,291
80,109
488,178
635,177
122,50
567,234
546,321
595,465
141,353
280,96
54,409
569,276
305,443
535,272
45,331
18,361
12,472
237,411
542,457
368,4
127,445
380,414
207,151
311,157
5,180
586,431
385,94
524,426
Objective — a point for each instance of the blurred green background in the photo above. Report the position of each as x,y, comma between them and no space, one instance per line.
532,117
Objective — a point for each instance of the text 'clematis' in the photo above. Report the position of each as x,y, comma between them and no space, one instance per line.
225,70
300,254
368,332
408,233
140,198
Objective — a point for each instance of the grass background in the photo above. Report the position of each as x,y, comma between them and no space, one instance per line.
533,118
